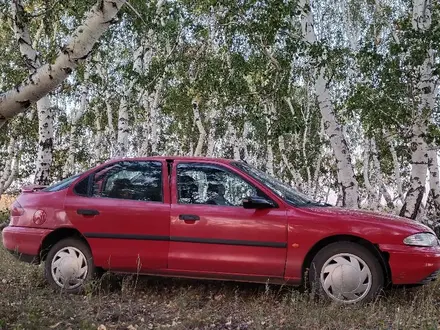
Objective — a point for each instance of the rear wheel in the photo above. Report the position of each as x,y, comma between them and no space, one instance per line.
69,265
347,273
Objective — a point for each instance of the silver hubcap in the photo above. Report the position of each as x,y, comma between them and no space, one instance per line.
346,278
69,268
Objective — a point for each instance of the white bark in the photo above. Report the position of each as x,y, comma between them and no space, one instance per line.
45,119
419,167
434,179
47,77
45,142
295,176
123,129
396,166
244,141
379,177
346,177
68,168
372,198
151,128
318,162
10,168
200,127
306,118
98,141
270,112
424,103
211,143
234,141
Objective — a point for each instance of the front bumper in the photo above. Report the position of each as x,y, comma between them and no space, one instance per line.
24,242
413,265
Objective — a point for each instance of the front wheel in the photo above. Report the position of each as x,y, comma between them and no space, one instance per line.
347,273
69,265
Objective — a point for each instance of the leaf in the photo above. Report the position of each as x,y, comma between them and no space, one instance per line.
55,325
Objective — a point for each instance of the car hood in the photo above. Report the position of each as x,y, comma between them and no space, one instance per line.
372,217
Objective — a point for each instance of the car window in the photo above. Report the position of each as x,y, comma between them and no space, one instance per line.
211,185
134,180
63,184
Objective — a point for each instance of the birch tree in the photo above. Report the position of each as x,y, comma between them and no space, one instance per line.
44,110
346,177
423,98
47,77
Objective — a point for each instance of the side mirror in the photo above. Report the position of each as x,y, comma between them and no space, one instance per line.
257,202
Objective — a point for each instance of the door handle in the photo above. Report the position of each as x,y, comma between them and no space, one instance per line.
87,212
189,217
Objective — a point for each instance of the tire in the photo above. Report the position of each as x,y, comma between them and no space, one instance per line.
69,258
364,276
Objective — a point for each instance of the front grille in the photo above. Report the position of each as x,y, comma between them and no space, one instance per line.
431,277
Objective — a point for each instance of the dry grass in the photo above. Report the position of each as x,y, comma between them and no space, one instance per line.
6,200
145,303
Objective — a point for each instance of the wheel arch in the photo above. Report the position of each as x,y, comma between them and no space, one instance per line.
57,235
383,257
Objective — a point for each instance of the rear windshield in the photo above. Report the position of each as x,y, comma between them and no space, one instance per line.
63,184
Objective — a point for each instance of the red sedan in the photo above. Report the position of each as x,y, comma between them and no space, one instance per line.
213,219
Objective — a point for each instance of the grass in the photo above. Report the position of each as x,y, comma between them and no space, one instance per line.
133,302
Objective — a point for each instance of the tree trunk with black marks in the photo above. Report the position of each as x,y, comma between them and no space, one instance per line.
48,77
423,96
346,177
200,127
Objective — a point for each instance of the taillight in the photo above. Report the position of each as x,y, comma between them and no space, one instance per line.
39,217
16,209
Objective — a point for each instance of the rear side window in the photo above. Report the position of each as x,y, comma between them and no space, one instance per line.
63,184
134,180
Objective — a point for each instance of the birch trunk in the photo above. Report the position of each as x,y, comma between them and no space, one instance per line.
244,142
45,119
98,138
434,179
346,177
419,167
379,177
47,77
10,168
318,162
45,142
270,111
213,115
424,96
372,194
396,167
234,141
200,127
295,176
68,168
123,129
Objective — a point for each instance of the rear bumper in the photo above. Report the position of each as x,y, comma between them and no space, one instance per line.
413,265
24,242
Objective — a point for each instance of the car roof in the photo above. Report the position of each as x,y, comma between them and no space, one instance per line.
176,158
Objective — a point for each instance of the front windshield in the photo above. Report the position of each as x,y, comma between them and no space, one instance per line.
286,192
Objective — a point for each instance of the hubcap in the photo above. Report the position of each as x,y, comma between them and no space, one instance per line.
346,278
69,268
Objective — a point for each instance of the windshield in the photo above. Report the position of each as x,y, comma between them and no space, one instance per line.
62,184
286,192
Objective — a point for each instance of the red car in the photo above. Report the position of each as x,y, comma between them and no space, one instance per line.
213,219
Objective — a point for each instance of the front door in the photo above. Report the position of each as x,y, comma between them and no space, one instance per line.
123,211
210,230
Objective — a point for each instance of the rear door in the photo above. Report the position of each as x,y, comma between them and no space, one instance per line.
123,210
212,233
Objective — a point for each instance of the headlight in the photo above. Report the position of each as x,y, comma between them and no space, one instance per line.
421,239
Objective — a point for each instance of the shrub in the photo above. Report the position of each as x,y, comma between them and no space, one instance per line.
4,218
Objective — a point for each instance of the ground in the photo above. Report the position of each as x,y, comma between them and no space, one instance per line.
137,302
